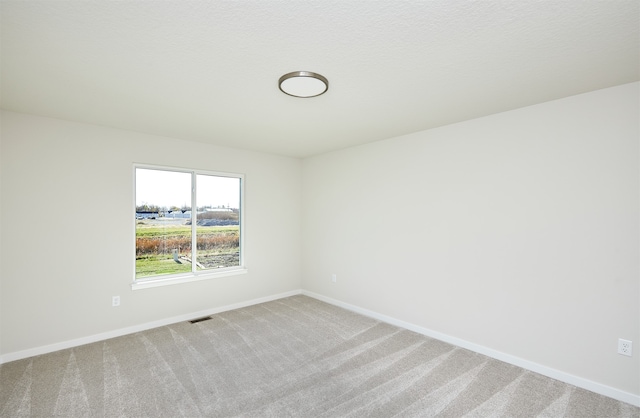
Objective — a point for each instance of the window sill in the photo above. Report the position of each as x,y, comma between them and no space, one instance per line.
148,283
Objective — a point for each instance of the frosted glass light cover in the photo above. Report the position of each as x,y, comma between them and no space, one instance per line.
303,84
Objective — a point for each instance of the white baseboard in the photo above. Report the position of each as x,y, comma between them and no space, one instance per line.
580,382
18,355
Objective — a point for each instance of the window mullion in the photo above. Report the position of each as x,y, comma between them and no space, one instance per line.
194,224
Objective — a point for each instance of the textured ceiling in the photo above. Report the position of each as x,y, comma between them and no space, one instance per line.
208,70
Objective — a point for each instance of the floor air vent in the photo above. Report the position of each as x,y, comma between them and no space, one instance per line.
195,321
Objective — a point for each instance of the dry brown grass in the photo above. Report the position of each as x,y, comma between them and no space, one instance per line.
166,245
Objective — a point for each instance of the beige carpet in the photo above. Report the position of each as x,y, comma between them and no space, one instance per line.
294,357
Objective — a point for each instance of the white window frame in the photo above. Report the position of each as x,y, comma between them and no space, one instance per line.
194,275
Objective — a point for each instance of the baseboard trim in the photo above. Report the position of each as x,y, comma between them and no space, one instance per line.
18,355
507,358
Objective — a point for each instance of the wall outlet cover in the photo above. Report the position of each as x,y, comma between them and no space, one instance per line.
625,347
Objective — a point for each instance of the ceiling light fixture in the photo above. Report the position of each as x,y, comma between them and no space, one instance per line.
303,84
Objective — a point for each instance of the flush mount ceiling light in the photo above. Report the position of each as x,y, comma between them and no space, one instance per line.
303,84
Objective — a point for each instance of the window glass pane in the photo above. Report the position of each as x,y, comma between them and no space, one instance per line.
163,222
218,221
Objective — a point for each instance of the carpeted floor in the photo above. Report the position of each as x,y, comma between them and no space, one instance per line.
294,357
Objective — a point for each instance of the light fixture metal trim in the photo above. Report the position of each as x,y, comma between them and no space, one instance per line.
303,84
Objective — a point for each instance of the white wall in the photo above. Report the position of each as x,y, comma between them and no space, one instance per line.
67,230
518,232
1,231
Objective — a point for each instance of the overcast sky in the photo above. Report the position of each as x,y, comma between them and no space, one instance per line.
170,188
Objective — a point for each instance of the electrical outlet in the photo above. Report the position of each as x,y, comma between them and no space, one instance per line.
334,278
115,301
625,347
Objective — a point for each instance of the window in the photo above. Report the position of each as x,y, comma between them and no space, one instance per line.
188,224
